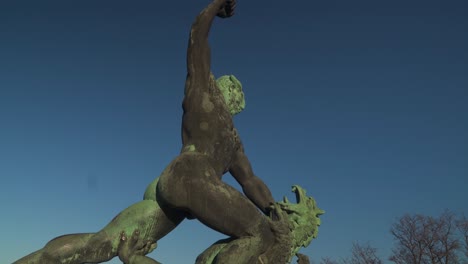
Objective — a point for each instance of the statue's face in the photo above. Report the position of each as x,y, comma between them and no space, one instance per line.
232,92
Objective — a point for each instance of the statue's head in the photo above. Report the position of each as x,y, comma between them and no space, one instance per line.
231,90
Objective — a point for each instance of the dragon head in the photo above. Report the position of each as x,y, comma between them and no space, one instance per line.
303,218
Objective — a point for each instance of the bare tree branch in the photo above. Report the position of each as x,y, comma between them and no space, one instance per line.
364,254
424,239
462,225
328,260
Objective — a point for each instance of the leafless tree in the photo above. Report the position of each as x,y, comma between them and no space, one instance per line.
424,239
406,232
364,254
328,260
462,225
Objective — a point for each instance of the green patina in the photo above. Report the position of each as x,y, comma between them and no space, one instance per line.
72,258
231,89
150,192
125,222
190,148
303,217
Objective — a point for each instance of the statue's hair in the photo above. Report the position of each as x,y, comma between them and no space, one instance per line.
226,81
231,89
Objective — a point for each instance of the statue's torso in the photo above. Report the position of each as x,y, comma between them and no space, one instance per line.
207,128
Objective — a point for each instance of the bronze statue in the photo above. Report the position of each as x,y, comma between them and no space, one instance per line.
260,230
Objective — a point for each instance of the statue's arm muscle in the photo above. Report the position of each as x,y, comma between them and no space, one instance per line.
254,188
198,55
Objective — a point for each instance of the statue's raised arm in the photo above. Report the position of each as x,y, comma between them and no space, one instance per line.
198,51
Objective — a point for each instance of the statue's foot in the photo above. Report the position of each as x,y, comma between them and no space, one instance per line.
228,9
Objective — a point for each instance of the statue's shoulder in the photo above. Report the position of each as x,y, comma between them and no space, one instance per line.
203,98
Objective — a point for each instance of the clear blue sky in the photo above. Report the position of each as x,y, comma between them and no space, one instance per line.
364,103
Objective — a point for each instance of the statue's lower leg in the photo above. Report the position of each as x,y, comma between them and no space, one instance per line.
210,253
244,249
71,249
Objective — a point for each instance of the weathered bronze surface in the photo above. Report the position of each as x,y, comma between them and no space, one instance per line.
260,230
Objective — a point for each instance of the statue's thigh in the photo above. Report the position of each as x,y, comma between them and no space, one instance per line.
145,216
191,184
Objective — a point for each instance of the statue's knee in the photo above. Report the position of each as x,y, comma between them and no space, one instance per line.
53,254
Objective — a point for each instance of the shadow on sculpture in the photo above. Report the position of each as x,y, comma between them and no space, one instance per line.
303,222
260,230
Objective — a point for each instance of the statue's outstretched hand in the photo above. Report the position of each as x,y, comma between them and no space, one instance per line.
279,221
280,251
228,9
